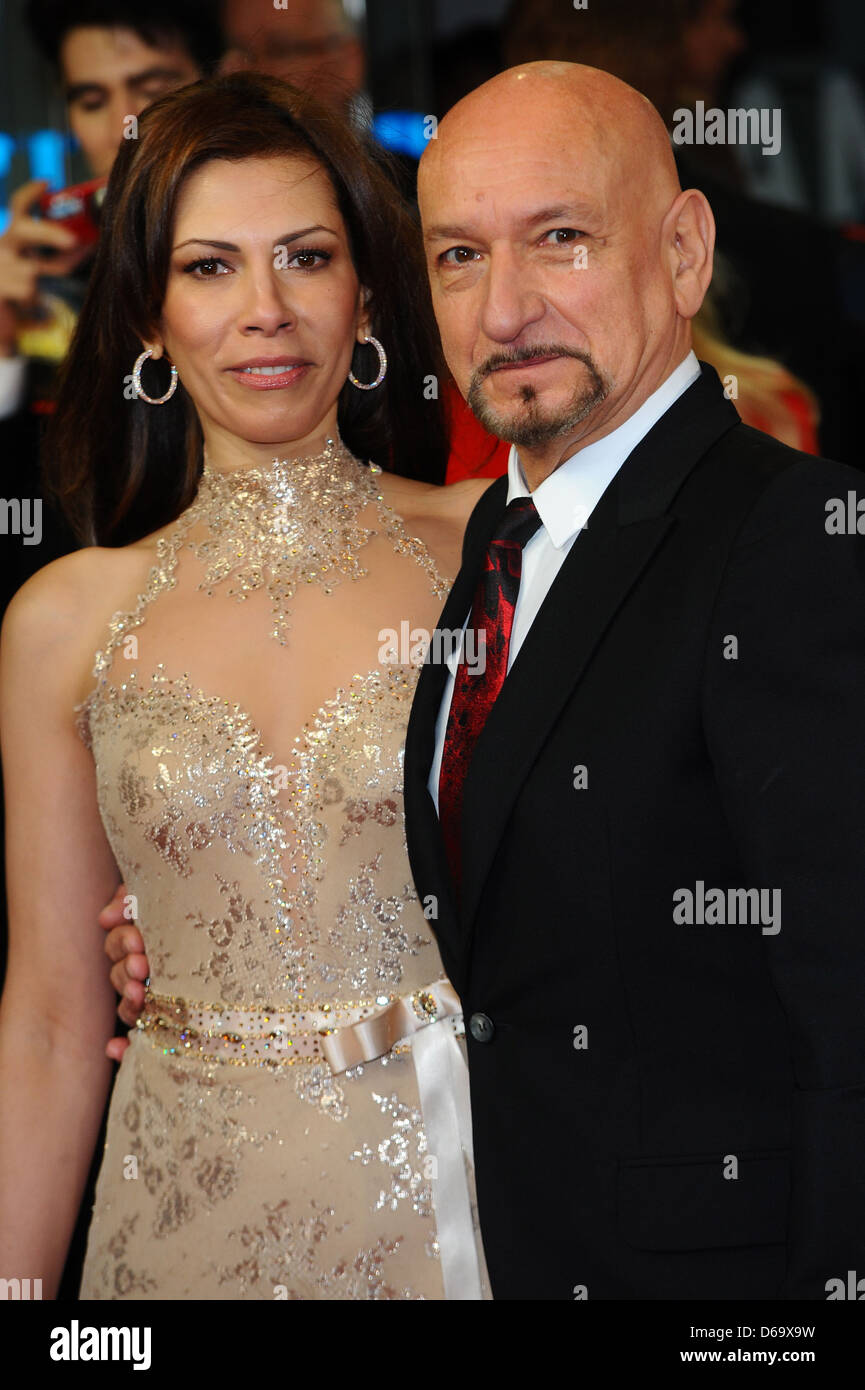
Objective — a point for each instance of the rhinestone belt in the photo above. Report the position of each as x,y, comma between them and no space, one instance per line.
341,1034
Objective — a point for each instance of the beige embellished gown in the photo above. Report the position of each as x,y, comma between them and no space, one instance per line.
267,1135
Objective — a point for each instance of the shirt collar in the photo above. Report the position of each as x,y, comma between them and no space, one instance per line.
566,499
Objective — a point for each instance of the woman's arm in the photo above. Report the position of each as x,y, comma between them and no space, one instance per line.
58,1003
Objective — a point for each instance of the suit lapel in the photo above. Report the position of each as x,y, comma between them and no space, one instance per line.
604,563
626,528
596,577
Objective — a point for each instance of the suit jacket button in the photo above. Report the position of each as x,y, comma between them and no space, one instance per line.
481,1028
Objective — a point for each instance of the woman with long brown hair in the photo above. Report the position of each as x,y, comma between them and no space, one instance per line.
289,1119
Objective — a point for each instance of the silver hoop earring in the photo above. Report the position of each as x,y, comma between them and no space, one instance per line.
382,367
136,381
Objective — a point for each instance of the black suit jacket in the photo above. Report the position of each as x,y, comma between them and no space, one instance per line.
704,1137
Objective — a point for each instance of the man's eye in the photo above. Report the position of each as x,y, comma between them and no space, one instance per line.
562,236
206,269
458,255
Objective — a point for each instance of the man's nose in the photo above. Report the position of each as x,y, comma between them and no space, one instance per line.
512,302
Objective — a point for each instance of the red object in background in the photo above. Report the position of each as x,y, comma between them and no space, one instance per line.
473,452
77,208
803,424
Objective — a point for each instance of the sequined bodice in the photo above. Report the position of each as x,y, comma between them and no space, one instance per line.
264,871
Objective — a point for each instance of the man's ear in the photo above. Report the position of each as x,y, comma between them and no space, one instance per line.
689,239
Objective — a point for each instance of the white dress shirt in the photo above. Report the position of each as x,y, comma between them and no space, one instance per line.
564,502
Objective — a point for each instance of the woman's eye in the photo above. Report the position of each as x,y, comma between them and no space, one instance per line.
206,269
306,258
458,255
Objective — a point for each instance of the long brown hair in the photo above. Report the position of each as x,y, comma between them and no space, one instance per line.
121,468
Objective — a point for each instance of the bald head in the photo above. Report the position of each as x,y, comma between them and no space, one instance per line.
564,257
612,129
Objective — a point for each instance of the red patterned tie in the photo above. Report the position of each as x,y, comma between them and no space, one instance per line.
475,693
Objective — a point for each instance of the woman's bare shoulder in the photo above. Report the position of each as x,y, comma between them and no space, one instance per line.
57,619
453,502
77,583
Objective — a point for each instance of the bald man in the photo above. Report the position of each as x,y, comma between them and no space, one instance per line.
642,824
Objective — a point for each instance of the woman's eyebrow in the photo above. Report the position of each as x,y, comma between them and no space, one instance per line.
280,241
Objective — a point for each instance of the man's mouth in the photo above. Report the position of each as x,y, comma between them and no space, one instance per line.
538,361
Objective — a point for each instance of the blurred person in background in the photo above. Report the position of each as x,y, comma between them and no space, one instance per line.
313,44
111,62
819,164
711,39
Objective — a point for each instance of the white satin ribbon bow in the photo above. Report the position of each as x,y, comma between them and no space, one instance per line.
426,1021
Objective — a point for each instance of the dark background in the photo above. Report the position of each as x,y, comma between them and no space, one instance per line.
416,49
422,55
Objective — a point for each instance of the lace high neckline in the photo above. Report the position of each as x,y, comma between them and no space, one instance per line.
287,480
291,522
277,528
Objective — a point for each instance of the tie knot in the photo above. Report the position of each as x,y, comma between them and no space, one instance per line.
519,522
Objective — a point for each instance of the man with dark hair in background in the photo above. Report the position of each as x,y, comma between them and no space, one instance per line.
111,62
